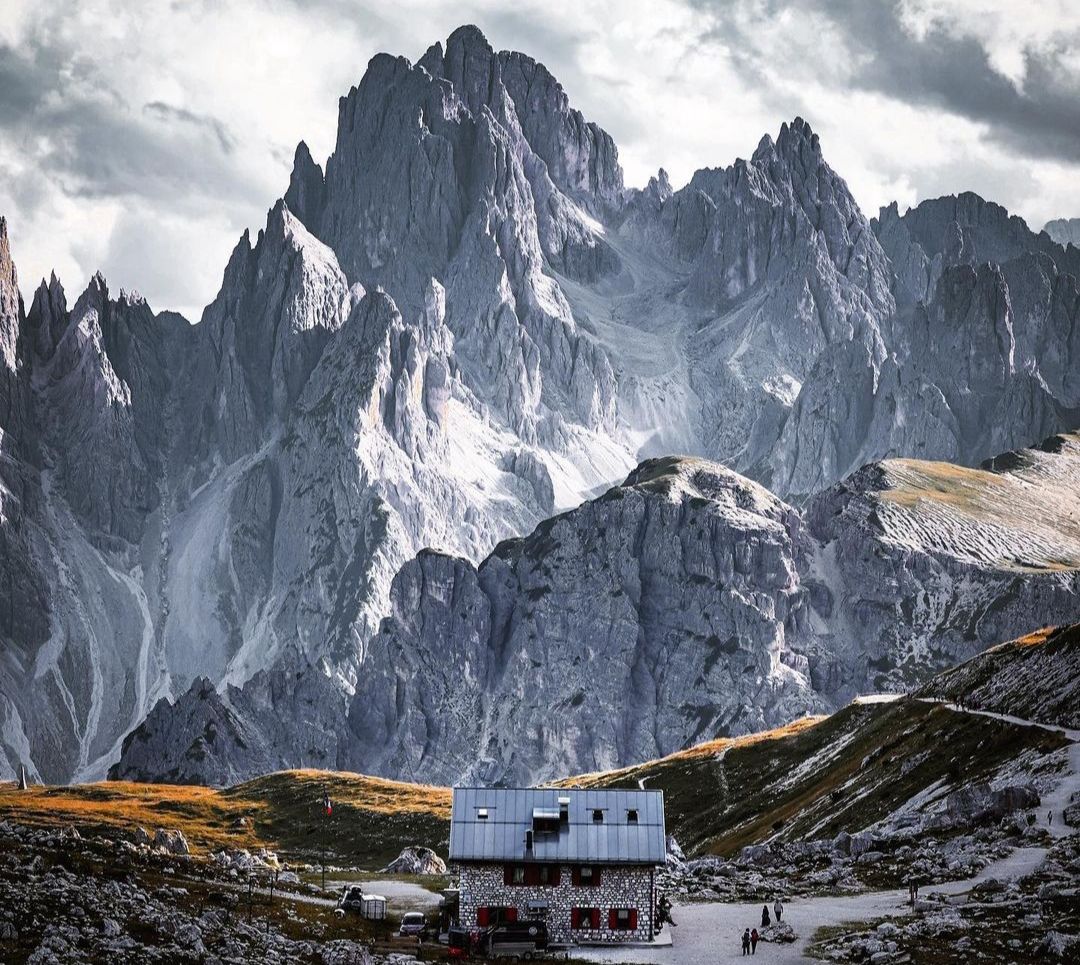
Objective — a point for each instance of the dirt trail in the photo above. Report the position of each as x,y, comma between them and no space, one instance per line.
710,932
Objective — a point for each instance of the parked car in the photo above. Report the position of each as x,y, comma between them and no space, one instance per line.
516,939
413,924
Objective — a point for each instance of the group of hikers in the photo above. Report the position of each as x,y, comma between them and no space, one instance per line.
751,936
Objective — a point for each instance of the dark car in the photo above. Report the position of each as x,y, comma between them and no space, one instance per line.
414,924
518,939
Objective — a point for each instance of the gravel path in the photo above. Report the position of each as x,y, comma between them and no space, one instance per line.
711,932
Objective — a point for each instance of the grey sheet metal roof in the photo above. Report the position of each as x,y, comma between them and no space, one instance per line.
501,837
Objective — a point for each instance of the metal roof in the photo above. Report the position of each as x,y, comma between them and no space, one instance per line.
501,836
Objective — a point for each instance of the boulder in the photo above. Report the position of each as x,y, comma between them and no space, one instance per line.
171,840
674,852
417,860
780,932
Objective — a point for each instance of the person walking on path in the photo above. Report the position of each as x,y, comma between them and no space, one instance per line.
746,942
754,939
778,908
765,916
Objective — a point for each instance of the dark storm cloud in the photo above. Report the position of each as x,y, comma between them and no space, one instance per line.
65,117
943,69
168,113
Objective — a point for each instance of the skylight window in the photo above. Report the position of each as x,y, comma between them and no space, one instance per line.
598,816
631,816
481,814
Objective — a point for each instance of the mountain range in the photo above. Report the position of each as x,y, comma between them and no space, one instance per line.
739,423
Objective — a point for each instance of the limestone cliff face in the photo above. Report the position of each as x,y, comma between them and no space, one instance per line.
637,623
458,325
688,601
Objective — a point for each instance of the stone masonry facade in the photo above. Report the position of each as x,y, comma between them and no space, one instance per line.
483,885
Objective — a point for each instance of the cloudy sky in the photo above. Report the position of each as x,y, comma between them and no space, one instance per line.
142,138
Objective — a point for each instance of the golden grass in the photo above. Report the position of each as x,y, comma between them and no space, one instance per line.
706,749
376,794
372,819
204,815
1034,639
942,482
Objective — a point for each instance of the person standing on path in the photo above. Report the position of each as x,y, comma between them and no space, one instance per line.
754,939
778,908
746,942
765,916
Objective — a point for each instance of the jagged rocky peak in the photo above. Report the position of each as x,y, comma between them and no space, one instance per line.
11,304
47,318
280,300
1065,231
306,194
959,229
771,213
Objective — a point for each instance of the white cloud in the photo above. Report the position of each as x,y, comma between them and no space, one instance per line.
92,177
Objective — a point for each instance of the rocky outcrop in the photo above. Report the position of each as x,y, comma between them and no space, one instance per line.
660,608
1065,231
417,860
1034,677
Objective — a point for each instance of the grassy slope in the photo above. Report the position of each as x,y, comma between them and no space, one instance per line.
816,779
373,819
1036,677
812,778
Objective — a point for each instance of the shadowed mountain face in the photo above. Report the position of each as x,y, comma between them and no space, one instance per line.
459,325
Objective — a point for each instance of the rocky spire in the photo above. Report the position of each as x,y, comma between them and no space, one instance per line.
307,189
48,317
11,304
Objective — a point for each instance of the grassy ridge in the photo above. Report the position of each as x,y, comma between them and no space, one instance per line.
372,820
1036,677
810,779
817,778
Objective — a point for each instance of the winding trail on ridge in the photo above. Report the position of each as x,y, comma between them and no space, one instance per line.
710,932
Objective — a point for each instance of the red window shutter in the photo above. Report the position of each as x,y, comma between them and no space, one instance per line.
482,916
633,919
553,877
508,874
596,918
532,874
575,917
613,918
511,914
596,877
576,876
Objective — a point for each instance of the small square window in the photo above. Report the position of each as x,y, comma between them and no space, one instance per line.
631,816
598,816
518,875
481,814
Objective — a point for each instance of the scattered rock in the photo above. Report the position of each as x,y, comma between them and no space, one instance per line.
172,841
417,860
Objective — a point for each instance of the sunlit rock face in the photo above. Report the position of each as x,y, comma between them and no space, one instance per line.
459,325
